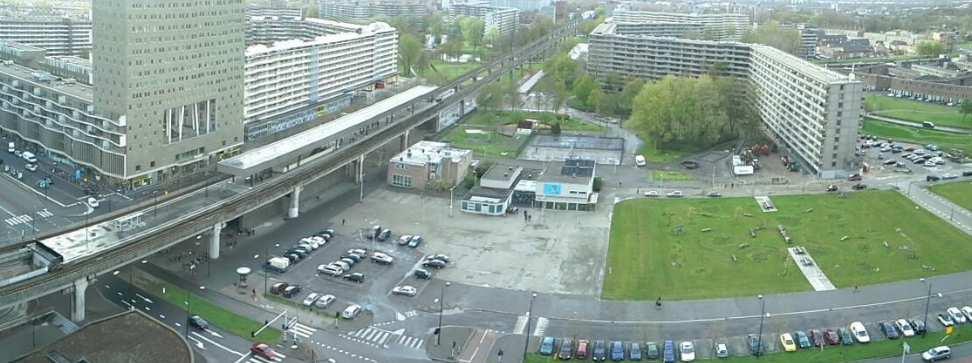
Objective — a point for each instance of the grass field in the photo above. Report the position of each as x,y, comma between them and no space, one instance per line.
487,143
646,259
217,316
441,72
906,109
880,349
944,140
959,193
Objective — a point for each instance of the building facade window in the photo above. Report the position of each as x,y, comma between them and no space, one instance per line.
403,181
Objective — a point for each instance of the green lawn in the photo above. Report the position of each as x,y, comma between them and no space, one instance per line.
488,144
658,156
646,259
905,109
944,140
224,319
441,72
959,193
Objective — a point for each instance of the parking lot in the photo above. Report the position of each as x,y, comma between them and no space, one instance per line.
556,252
879,158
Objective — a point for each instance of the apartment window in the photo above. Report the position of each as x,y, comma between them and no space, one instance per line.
138,167
403,181
152,164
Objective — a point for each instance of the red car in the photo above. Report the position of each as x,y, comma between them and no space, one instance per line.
831,337
263,350
817,336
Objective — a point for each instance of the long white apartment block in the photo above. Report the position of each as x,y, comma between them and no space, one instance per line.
57,35
809,110
716,26
297,74
503,20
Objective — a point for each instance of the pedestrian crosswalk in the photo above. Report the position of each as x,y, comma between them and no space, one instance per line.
380,337
21,219
278,357
541,326
301,330
44,213
411,314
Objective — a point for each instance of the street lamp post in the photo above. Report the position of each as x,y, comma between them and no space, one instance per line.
438,337
155,208
762,316
927,304
452,198
266,274
526,344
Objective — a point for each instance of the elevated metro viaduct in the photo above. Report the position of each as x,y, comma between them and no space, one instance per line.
285,166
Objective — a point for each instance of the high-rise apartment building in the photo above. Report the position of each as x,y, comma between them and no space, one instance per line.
56,35
499,19
712,26
169,73
372,9
810,111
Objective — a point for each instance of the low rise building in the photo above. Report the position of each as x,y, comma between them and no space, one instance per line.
56,35
429,165
568,186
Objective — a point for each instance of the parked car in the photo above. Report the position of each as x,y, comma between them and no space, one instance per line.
668,352
859,186
351,311
904,327
278,288
382,258
344,265
956,315
803,341
755,348
687,351
817,337
651,194
889,330
832,188
406,290
404,239
722,350
599,353
831,337
846,338
583,349
651,350
787,341
937,354
422,274
384,235
324,301
547,345
330,270
675,194
860,332
263,350
945,320
415,241
436,264
290,291
857,177
933,178
634,351
311,298
197,322
617,351
918,325
714,195
566,351
442,258
640,161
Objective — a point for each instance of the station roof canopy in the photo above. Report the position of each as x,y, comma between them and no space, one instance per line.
286,150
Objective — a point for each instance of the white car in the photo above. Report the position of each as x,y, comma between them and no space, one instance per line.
956,315
905,328
651,194
351,311
406,290
330,270
687,351
382,258
31,167
93,202
675,194
860,332
930,164
640,160
310,299
324,301
945,320
967,310
937,353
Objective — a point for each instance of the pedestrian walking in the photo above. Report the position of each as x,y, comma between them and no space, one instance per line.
343,221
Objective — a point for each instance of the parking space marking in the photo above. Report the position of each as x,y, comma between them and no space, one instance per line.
541,326
520,326
44,213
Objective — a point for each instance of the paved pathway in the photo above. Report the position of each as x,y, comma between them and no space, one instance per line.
895,121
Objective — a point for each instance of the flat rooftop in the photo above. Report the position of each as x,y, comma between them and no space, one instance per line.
578,142
26,74
131,336
263,156
425,152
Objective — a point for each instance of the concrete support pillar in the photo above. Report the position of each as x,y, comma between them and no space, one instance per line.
462,107
214,241
360,178
77,309
403,140
294,210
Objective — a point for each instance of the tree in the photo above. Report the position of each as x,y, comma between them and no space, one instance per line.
562,69
452,48
582,90
555,89
597,100
771,34
409,51
930,49
627,96
473,30
966,108
555,128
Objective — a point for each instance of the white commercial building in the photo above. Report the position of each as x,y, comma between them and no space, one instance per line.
809,110
287,82
56,35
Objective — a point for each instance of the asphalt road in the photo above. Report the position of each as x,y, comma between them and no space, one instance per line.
918,125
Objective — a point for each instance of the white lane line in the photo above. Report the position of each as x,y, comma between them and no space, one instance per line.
203,337
199,344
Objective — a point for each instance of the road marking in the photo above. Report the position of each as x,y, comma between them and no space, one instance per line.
44,213
7,211
302,330
204,338
520,326
21,219
541,326
199,344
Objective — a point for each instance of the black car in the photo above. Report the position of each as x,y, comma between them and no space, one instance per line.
933,178
293,257
290,291
918,326
889,330
423,274
599,353
967,173
566,349
355,277
859,186
436,264
196,322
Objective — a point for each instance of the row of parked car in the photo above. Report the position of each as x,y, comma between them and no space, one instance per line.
350,259
300,250
380,234
599,350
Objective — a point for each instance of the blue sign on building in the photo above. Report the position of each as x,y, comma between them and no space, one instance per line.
552,189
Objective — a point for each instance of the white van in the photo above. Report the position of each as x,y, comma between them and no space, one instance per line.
640,161
29,156
11,147
351,311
